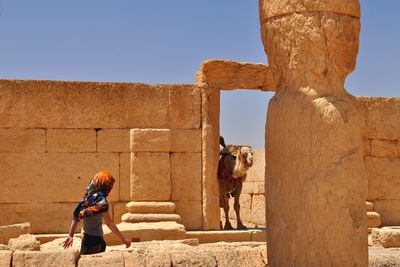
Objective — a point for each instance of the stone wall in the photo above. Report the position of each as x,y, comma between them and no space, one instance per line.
54,136
382,156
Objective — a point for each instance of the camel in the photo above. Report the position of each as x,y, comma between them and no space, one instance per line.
232,168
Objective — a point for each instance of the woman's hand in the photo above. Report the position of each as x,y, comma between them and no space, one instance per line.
68,242
127,242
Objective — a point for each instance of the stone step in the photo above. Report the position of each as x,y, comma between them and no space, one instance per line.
374,219
250,235
150,217
146,232
370,206
151,207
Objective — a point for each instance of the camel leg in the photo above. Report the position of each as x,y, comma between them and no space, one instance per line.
228,225
236,206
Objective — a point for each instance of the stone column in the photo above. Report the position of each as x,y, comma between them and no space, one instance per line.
315,187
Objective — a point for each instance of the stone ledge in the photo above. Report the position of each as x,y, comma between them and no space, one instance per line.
228,235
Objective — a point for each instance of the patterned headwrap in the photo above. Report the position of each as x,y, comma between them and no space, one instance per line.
94,201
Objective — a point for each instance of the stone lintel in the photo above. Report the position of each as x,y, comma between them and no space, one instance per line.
229,75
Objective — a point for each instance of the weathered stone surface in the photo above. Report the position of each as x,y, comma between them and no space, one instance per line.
71,140
151,207
5,258
370,206
65,258
382,175
381,117
228,75
379,257
314,150
144,258
113,140
165,140
257,172
270,9
389,211
150,217
38,216
59,104
150,177
193,258
248,188
184,107
240,257
71,171
12,231
22,140
384,148
386,237
191,214
26,242
57,244
114,258
210,156
125,176
367,147
374,219
186,176
258,210
245,208
146,232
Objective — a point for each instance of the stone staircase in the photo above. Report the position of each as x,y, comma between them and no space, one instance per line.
146,221
374,219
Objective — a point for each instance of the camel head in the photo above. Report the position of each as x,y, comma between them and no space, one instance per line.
246,156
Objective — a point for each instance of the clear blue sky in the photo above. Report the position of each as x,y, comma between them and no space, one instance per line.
163,41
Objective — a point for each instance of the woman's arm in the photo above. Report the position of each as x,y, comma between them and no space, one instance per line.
115,230
68,241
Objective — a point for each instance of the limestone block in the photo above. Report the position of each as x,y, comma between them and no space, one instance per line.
386,237
257,172
76,105
151,207
184,107
57,243
12,231
258,210
125,176
186,176
159,258
193,258
381,117
119,209
113,258
25,242
150,177
259,235
165,140
26,140
383,178
370,206
65,258
38,216
5,258
113,140
384,148
374,219
389,211
248,187
242,256
150,217
270,9
63,175
191,214
71,140
378,258
228,75
146,232
259,188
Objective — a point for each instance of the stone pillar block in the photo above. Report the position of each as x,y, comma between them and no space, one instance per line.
150,177
27,140
113,140
186,176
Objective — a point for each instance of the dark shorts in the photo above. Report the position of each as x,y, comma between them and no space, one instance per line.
92,244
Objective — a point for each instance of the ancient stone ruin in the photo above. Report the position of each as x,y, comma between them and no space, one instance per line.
326,153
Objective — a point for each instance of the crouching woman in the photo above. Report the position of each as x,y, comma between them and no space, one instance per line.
92,209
